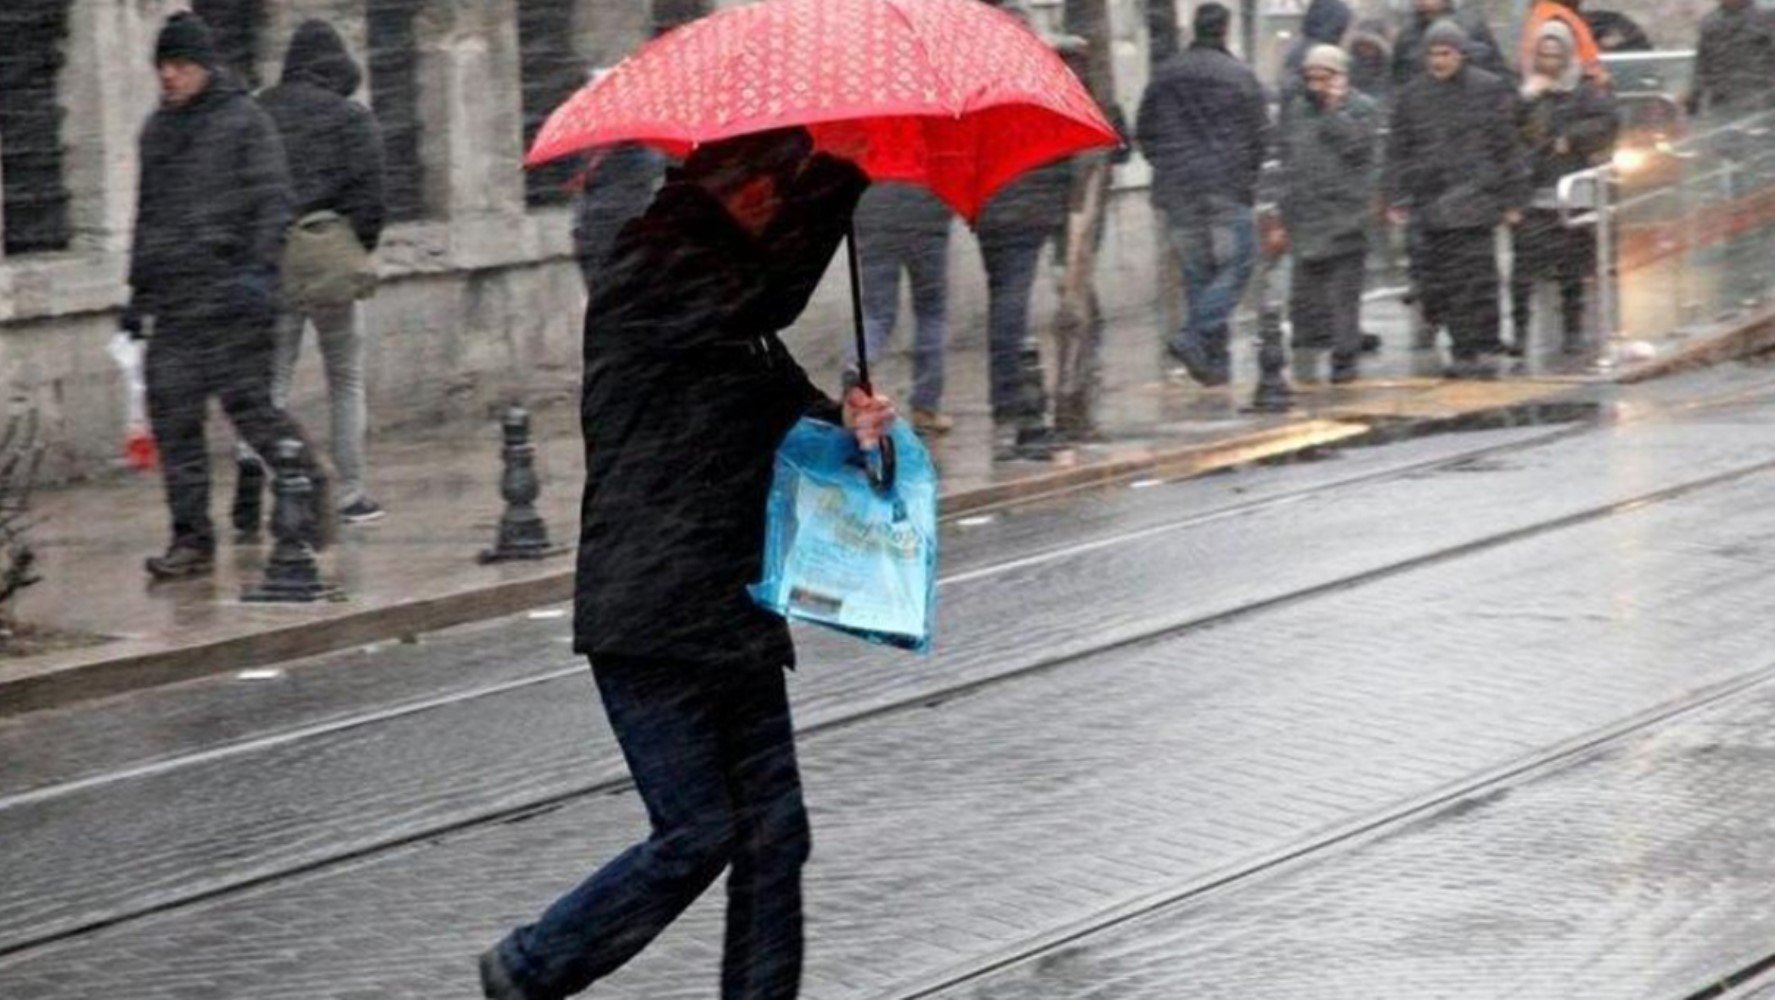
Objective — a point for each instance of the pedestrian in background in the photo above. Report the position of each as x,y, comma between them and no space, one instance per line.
335,168
1411,47
903,228
1587,54
1568,124
1203,125
1012,229
1734,63
1371,61
1327,146
1326,22
211,217
1455,169
688,392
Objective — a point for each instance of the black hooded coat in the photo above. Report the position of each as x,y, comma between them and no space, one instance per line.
336,161
687,394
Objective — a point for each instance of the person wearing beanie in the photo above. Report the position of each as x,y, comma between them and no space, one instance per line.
1204,127
339,212
1482,49
212,210
1455,171
1568,123
1328,146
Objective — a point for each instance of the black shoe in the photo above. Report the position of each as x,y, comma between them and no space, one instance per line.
362,511
496,979
1032,443
1344,374
1371,343
182,562
1196,360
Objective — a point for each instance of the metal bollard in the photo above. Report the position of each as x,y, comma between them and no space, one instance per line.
292,575
522,533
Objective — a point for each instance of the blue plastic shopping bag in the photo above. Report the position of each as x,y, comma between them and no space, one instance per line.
847,549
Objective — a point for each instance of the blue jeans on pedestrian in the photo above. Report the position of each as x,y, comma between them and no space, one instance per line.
1216,240
924,257
1011,262
712,753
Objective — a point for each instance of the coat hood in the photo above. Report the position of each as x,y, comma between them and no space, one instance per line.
318,56
1326,21
1562,33
1370,32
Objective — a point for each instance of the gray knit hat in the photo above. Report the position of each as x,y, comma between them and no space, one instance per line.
1448,32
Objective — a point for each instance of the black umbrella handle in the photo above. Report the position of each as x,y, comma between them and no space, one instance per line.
850,242
881,474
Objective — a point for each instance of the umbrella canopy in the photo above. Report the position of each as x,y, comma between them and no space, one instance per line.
952,94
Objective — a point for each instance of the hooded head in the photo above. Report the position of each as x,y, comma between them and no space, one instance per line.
749,173
1369,41
1326,21
1555,55
1211,24
317,55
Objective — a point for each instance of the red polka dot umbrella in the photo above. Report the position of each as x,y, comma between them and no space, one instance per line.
952,94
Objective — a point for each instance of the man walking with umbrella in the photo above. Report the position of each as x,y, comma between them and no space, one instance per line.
687,393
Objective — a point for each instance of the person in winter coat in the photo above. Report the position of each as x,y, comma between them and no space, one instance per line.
1325,23
905,228
1371,61
1411,46
1568,124
1328,152
1012,229
1734,62
1616,32
213,205
1203,125
337,169
1455,169
687,393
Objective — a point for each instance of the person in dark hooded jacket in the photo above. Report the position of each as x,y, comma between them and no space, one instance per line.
1371,61
335,167
213,205
687,394
1326,22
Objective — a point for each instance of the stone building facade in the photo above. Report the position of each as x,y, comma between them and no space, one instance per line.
480,300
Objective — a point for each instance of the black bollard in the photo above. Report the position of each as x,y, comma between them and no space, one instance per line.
1273,394
292,576
522,533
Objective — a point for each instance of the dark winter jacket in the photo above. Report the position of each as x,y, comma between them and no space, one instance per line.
1203,125
1325,23
1616,32
1583,116
335,148
1032,207
895,209
1453,156
1328,175
1483,50
617,188
1735,63
687,394
212,208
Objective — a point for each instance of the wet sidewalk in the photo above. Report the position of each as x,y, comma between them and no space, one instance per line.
416,570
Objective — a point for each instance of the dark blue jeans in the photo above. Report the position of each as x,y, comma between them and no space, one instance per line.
1011,263
712,752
